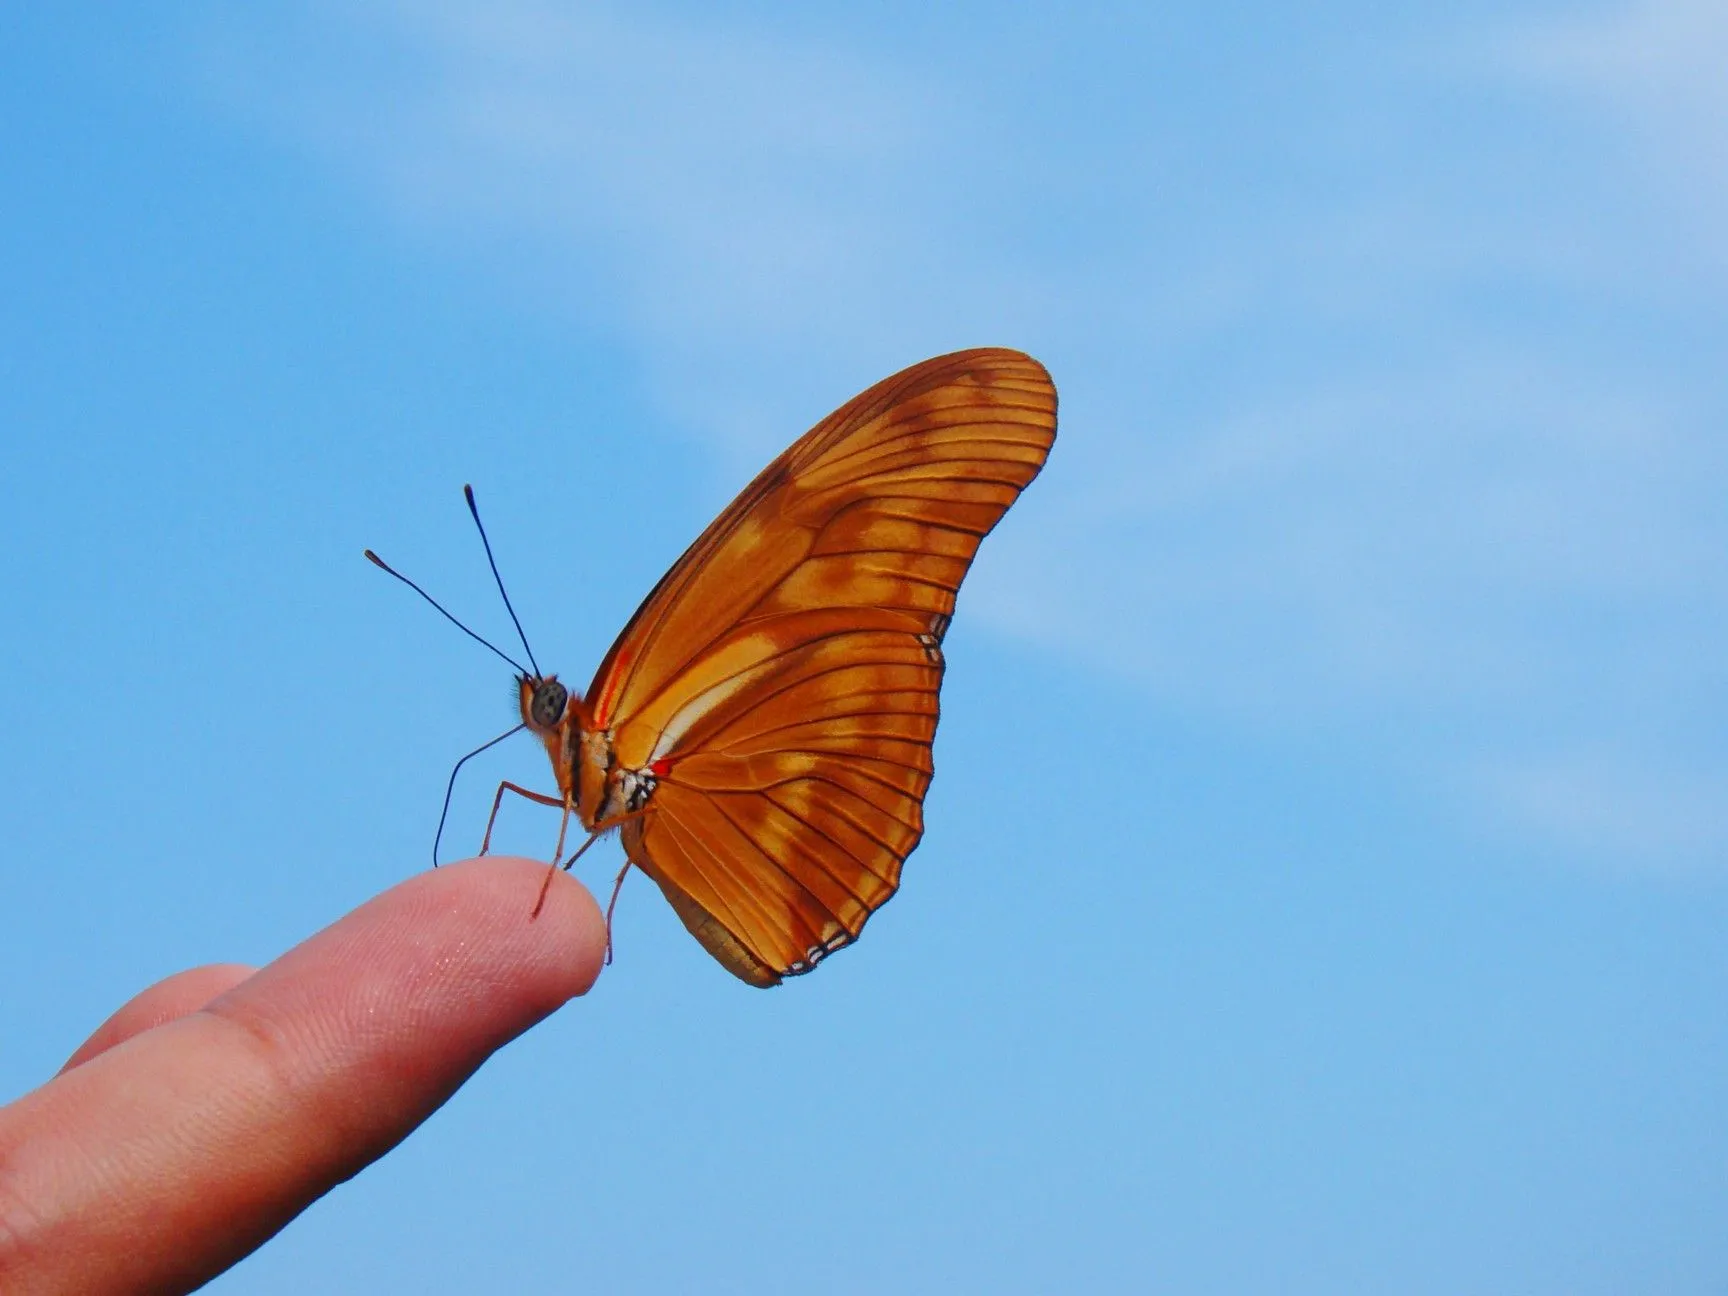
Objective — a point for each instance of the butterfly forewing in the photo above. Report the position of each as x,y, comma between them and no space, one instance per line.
782,678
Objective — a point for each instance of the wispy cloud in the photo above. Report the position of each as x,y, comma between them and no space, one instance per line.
1643,810
1664,53
1400,410
1656,69
712,191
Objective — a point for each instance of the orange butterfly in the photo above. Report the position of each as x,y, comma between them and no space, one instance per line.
760,732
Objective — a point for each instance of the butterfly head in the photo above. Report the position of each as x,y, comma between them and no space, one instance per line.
545,703
555,714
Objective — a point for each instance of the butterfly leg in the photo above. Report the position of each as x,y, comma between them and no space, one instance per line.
540,797
604,826
617,886
563,827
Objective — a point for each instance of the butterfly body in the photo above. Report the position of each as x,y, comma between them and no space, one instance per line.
760,732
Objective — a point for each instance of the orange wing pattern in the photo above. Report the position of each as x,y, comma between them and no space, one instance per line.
781,680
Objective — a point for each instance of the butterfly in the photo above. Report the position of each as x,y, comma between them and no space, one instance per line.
760,732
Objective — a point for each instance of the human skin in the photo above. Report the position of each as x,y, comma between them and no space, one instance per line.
219,1103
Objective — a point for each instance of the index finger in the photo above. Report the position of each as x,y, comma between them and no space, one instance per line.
162,1160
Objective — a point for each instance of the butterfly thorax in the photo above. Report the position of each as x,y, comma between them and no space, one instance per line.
584,760
605,788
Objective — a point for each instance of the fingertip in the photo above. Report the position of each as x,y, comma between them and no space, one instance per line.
562,946
451,958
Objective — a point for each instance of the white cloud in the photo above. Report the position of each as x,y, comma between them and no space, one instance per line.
707,189
1436,485
1667,53
1444,535
1660,70
1644,809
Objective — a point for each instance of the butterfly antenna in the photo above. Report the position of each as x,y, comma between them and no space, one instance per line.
378,562
451,785
474,509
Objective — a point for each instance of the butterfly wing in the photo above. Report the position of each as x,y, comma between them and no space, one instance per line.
781,679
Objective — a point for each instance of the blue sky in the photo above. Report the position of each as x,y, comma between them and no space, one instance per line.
1327,866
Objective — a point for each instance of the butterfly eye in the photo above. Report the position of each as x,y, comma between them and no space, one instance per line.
547,708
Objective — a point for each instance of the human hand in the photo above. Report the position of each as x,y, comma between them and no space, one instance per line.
218,1104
